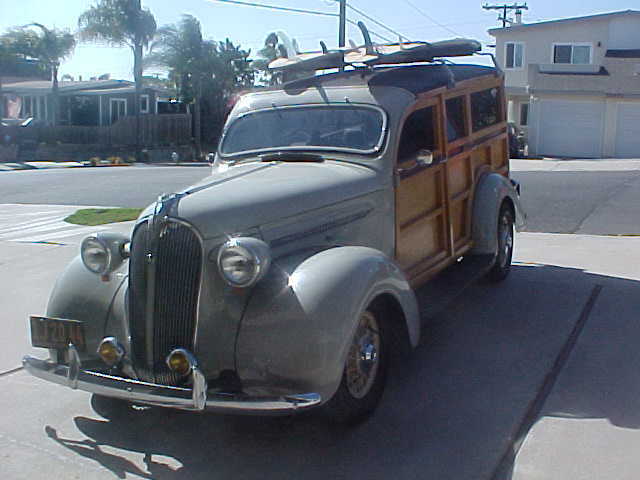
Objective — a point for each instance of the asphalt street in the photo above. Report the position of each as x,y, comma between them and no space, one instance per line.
535,378
136,186
574,199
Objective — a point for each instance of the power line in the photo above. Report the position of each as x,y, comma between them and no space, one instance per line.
386,39
294,10
505,7
275,7
421,12
380,24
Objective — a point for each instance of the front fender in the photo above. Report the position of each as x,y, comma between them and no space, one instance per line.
491,190
81,295
300,319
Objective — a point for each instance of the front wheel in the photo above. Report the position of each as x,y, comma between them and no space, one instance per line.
502,265
365,372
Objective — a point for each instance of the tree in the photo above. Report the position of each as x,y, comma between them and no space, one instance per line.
121,23
7,59
181,49
48,46
202,71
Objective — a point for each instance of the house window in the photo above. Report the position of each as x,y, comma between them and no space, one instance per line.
455,119
118,109
27,107
514,55
144,103
572,54
524,114
484,108
418,134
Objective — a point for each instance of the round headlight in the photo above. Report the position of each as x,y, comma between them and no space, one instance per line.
95,254
104,252
243,261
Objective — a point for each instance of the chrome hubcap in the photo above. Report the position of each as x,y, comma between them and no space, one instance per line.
362,362
505,239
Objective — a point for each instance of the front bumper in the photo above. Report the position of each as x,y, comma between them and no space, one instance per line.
196,398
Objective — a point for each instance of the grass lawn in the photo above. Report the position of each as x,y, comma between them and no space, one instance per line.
100,216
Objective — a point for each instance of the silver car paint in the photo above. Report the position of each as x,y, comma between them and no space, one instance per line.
291,331
491,190
301,318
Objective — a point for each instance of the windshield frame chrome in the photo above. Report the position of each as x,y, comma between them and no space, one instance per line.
233,157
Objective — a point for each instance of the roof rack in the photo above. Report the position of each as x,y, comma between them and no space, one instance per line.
371,54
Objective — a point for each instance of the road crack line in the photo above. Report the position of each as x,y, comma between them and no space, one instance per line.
535,406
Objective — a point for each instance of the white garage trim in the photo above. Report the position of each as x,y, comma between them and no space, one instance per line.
570,128
627,143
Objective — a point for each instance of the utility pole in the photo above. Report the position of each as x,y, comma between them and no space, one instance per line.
342,33
342,28
506,7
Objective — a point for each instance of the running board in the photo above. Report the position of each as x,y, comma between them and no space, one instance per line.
437,294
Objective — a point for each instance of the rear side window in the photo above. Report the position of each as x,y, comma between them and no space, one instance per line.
484,109
418,134
455,119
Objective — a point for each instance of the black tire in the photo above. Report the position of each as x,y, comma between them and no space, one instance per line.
505,233
353,402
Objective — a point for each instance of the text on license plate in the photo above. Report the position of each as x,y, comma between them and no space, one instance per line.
56,333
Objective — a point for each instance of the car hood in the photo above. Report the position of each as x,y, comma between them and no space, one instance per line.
244,196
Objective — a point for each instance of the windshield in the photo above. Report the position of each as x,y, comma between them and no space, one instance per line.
350,128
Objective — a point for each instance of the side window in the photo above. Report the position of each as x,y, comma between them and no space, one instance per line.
418,134
455,119
484,109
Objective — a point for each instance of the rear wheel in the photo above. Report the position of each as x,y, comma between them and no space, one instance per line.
505,240
365,371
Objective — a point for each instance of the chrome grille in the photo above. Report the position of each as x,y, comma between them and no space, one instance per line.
174,282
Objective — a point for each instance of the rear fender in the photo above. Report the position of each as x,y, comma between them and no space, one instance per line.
301,318
491,191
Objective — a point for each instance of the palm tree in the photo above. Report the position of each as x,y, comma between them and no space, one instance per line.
50,47
181,49
121,23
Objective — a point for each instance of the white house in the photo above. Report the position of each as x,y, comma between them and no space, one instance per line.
574,84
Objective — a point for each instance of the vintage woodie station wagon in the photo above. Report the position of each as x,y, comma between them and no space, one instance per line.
288,278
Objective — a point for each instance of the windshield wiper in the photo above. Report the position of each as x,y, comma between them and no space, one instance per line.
291,157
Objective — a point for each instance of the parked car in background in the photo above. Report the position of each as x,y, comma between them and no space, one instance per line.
286,279
517,141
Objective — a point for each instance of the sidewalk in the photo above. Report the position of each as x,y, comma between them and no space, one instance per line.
11,166
588,427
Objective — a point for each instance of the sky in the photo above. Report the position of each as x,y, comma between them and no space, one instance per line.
248,26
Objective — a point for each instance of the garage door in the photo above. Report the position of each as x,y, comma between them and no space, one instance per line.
628,130
570,128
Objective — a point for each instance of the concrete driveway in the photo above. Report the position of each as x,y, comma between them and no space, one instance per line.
552,349
535,378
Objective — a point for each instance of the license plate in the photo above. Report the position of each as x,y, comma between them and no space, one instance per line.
56,333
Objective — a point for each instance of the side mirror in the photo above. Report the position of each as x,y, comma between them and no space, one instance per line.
424,157
211,158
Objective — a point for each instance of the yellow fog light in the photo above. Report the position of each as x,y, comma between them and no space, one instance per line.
181,361
110,351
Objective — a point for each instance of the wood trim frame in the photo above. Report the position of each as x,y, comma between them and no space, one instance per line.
455,158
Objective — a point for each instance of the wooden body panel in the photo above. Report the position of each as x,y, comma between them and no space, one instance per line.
434,202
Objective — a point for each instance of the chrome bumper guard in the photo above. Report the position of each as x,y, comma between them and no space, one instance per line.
196,398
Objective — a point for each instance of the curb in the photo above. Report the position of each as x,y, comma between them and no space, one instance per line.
13,166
